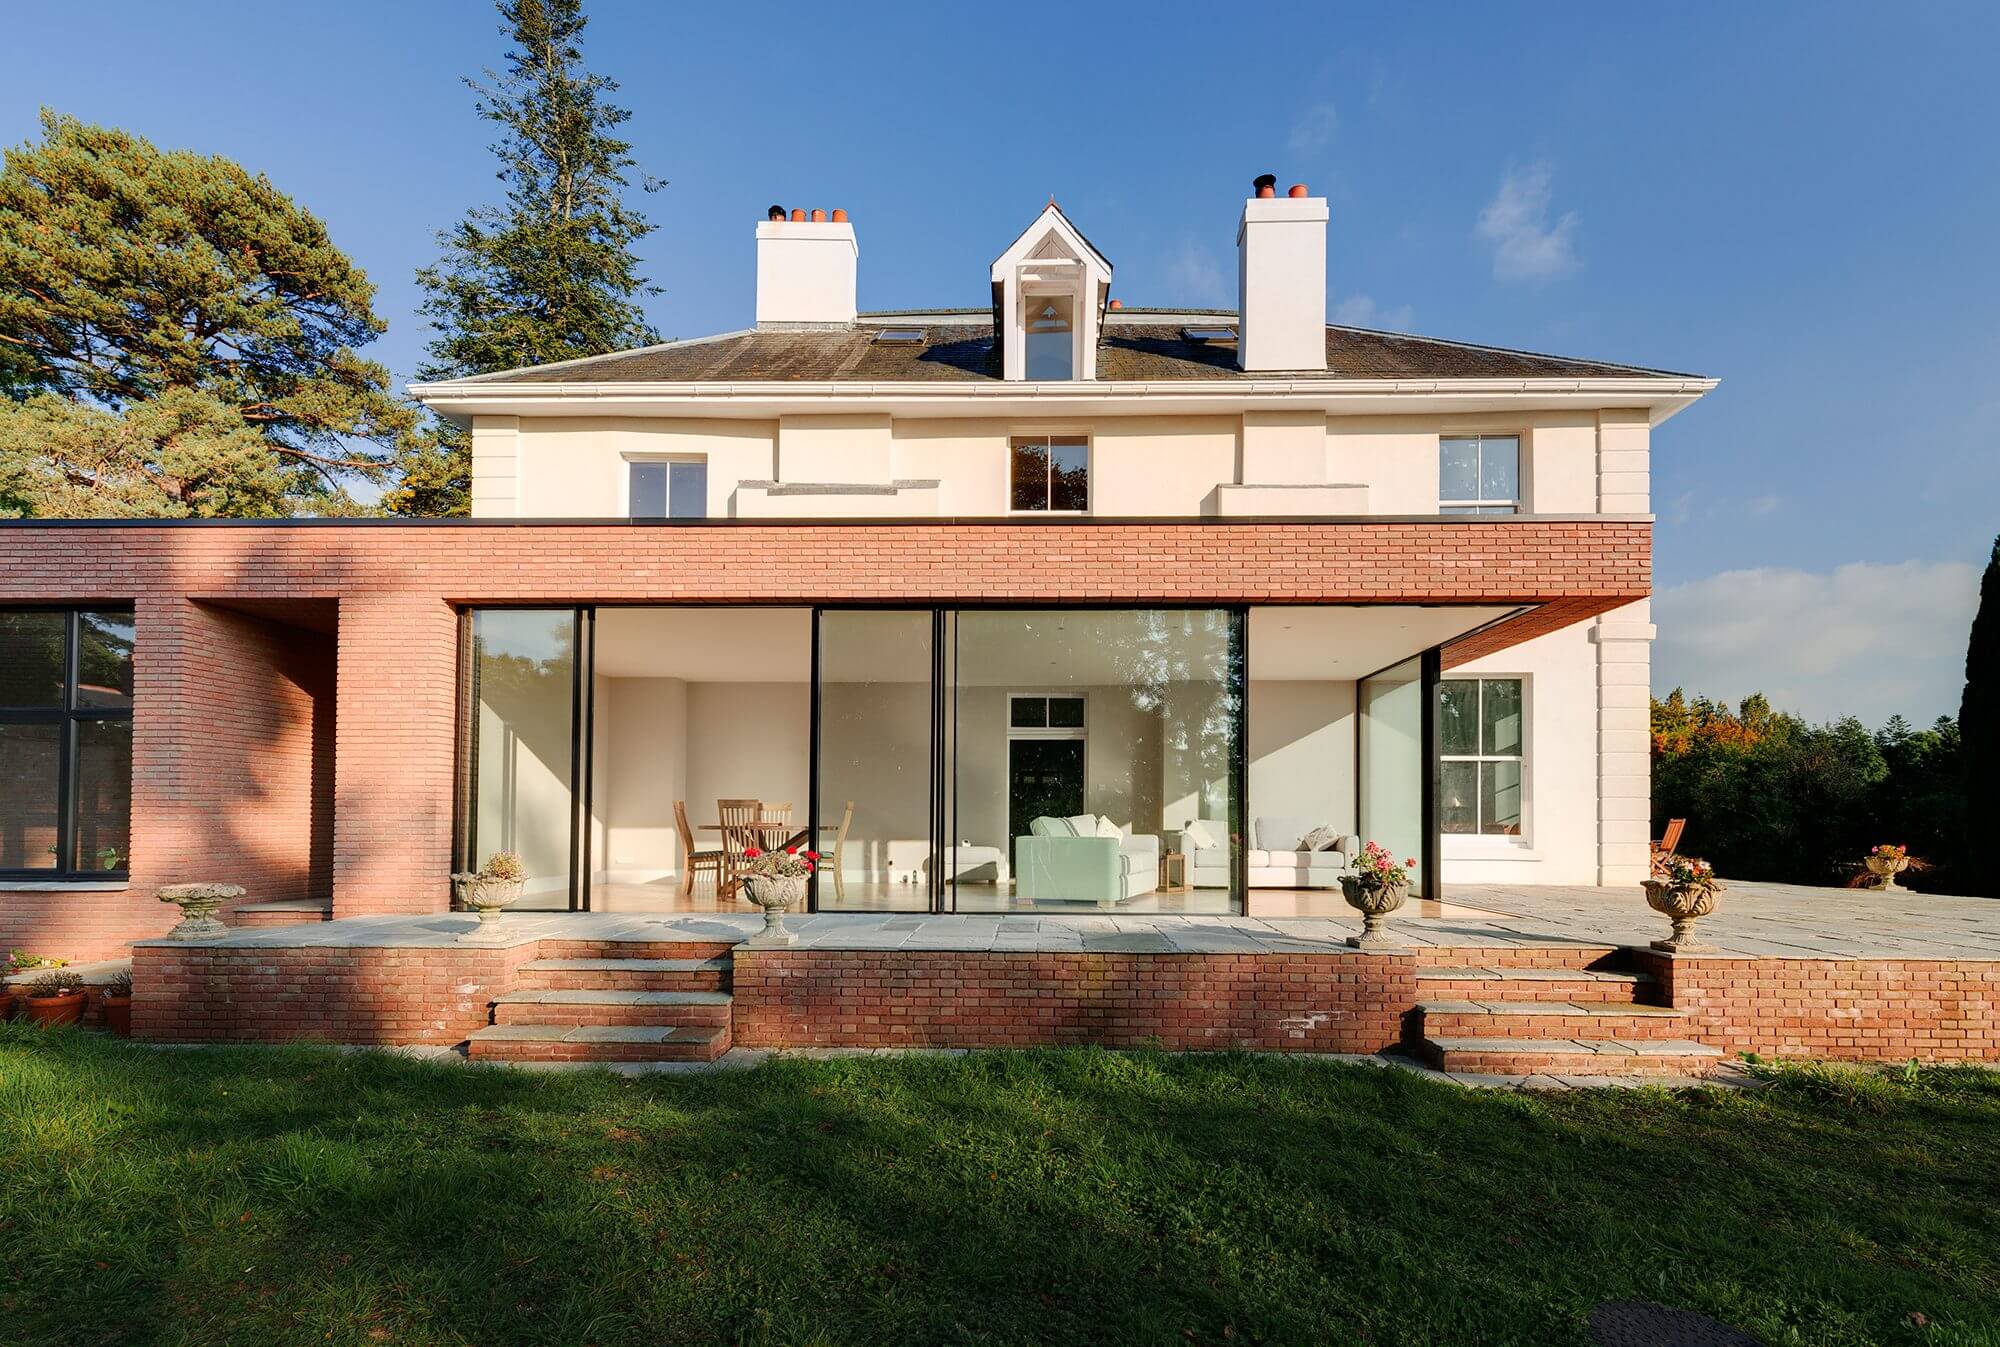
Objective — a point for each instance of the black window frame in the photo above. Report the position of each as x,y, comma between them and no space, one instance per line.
68,715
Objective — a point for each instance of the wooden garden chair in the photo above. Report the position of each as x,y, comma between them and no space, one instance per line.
1670,840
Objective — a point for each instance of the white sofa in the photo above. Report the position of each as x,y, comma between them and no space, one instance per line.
1073,860
1274,860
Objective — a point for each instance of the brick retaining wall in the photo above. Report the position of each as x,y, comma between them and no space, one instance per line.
873,998
1884,1010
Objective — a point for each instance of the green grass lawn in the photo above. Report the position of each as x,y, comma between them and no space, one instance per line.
302,1195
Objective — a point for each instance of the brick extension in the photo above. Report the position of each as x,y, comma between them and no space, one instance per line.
294,717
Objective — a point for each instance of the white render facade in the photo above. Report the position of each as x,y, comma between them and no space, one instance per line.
791,421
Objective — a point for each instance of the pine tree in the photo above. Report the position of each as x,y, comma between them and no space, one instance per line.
1979,732
177,337
551,274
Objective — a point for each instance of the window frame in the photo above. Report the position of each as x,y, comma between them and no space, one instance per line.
1048,439
633,461
68,716
1481,504
1478,833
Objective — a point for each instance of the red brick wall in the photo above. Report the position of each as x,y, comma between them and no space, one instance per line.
869,998
1852,1009
191,993
224,766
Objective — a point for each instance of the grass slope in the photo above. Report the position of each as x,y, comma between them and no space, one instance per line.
302,1195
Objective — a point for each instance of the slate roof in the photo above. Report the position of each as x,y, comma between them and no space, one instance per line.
1135,346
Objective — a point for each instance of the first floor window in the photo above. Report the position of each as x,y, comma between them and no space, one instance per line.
65,742
1479,474
669,489
1479,722
1050,472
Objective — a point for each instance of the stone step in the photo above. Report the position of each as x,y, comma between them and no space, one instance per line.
1569,1056
708,973
611,1006
1524,956
597,1043
636,949
1487,983
285,912
1472,1018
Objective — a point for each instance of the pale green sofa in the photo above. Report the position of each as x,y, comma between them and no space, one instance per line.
1054,864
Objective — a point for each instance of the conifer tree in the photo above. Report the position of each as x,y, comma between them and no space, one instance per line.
1979,732
550,274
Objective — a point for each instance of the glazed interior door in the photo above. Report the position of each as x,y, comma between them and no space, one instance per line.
1044,778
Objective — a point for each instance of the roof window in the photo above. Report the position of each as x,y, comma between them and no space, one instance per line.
899,336
1212,336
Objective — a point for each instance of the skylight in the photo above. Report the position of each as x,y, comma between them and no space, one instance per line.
1209,334
899,336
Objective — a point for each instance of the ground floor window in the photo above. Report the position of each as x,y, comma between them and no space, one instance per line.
65,742
1482,751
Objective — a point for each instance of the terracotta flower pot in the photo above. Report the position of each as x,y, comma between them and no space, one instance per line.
7,999
1885,869
50,1011
117,1014
1374,902
1682,906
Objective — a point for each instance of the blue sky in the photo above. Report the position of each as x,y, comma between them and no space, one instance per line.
1799,199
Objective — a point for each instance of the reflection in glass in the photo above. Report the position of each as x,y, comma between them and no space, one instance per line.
1458,469
523,671
875,754
1499,797
104,659
1458,716
1393,760
1500,716
103,795
1458,800
32,657
1051,344
28,796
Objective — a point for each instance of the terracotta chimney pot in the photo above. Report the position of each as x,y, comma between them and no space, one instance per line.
819,217
1117,303
1298,190
798,216
840,217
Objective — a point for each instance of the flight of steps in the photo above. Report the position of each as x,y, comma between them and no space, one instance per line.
602,1001
1565,1012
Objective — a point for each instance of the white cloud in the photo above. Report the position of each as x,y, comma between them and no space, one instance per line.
1315,129
1363,311
1196,277
1516,222
1866,639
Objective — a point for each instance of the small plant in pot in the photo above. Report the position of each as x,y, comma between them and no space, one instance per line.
55,998
774,880
493,887
1377,887
1682,889
116,997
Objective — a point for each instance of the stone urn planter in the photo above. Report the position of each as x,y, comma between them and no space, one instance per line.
1683,905
774,893
199,904
1374,902
1885,869
486,895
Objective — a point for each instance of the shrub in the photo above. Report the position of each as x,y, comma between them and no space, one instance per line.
55,984
503,865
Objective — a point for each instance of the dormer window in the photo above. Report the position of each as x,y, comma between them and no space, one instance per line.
1051,337
1049,289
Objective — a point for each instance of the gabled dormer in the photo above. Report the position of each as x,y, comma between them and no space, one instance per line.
1049,292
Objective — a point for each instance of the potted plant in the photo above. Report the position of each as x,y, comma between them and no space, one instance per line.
1884,863
116,997
19,961
775,880
1682,889
492,887
199,904
55,998
1377,887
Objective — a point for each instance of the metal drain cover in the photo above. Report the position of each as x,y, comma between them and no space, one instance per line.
1634,1323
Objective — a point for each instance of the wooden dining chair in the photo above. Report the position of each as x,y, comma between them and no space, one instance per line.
697,861
839,851
736,818
771,811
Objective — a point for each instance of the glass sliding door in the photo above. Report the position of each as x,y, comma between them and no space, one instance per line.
1395,764
524,714
1086,743
876,780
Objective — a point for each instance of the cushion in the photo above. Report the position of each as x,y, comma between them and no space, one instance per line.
1282,832
1048,827
1082,825
1200,835
1319,839
1106,828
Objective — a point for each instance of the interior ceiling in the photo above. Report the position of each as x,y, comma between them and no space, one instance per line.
998,649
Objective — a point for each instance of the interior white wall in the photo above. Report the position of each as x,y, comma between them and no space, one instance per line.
1302,751
746,741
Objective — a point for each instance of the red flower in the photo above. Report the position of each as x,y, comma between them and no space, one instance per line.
1410,861
751,853
812,855
791,851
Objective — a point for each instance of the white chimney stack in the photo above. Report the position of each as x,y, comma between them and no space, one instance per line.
1281,280
805,270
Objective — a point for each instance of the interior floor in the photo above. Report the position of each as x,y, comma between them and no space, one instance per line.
875,896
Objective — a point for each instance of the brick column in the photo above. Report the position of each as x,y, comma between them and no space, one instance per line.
1623,640
393,741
